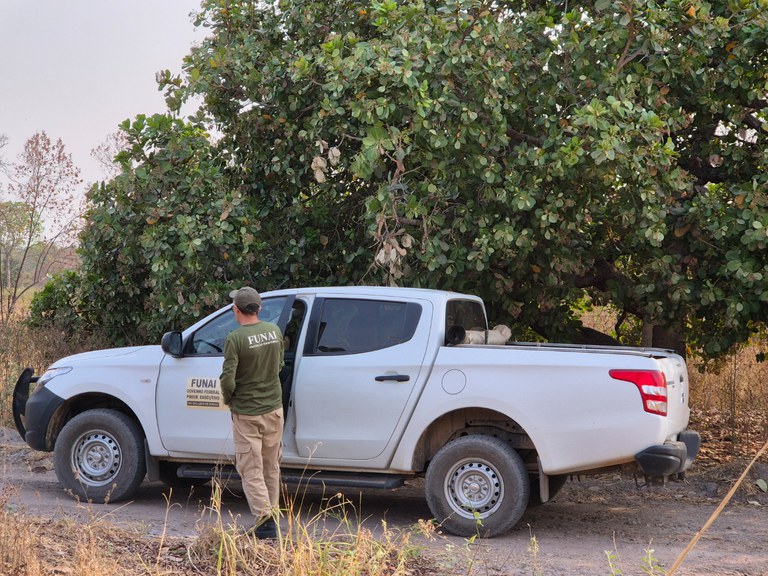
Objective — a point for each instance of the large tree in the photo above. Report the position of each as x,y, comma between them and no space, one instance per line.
540,154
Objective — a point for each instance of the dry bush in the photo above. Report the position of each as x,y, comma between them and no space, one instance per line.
729,404
22,347
733,384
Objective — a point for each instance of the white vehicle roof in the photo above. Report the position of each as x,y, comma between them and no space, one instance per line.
389,291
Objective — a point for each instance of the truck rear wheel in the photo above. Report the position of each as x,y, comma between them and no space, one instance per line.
477,485
99,456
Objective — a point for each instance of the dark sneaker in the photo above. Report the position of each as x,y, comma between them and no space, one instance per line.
267,530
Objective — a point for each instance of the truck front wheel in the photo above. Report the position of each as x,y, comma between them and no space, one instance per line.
477,485
99,456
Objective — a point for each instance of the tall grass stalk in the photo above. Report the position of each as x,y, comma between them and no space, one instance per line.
533,550
614,561
330,542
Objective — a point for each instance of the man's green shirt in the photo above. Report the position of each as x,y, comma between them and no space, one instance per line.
250,375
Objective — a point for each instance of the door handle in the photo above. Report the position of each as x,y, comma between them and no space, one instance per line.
395,377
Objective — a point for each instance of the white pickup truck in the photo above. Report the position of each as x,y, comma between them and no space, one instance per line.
377,389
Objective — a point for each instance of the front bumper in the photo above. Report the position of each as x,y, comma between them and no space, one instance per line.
32,411
672,457
19,400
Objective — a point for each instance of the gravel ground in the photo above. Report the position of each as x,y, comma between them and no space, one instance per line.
607,524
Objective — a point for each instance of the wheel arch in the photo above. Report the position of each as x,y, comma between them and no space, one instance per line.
71,407
465,422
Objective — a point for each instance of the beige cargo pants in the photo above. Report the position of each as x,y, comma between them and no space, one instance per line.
258,448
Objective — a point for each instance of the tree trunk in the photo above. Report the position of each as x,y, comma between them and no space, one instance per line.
668,337
647,340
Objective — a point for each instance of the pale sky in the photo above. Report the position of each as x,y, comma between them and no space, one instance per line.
77,68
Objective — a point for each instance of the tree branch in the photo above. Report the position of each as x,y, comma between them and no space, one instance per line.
703,170
520,137
755,124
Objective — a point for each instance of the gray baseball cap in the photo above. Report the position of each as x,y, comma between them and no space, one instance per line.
245,297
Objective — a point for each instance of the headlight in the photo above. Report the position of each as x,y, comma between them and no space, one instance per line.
50,374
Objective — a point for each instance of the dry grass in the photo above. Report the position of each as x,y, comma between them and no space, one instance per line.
307,546
729,404
732,384
22,347
32,546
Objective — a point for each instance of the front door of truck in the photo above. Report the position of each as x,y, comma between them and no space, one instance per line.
190,413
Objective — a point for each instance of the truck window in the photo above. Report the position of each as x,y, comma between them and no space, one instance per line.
356,326
210,338
293,327
469,314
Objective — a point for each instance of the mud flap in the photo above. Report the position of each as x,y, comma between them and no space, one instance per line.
543,483
20,397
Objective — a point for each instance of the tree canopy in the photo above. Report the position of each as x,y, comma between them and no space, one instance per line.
540,154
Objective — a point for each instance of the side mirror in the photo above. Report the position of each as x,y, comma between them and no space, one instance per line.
171,344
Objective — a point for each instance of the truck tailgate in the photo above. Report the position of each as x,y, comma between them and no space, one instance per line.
676,374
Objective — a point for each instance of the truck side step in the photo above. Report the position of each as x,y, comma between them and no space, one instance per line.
344,479
305,477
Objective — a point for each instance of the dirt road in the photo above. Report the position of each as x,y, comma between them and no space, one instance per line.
589,517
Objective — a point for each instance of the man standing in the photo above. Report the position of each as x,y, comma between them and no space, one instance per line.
250,385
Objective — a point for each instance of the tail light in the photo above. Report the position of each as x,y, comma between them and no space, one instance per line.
652,386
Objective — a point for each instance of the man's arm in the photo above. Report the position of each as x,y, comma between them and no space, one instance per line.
228,370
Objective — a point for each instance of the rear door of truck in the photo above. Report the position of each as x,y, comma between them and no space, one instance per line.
362,361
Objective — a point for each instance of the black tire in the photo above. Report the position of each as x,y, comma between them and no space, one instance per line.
99,456
477,485
556,484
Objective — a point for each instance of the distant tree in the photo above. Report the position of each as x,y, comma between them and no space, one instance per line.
38,226
15,219
3,144
106,154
